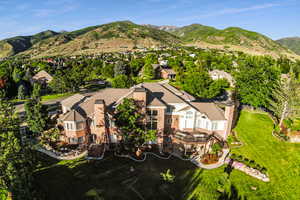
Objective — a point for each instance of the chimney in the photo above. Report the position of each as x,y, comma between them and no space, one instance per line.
99,119
140,96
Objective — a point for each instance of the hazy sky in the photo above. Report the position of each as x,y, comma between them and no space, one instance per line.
274,18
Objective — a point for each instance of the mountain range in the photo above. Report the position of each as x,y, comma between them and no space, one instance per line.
126,35
292,43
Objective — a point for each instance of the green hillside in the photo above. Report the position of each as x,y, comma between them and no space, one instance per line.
18,44
292,43
114,36
229,36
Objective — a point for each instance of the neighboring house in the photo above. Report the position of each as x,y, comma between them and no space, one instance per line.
219,74
176,116
192,55
161,72
167,73
163,62
42,77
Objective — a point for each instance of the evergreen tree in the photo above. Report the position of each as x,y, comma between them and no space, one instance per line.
16,160
36,113
36,92
21,92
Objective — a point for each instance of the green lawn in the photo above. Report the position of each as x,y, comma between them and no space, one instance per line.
282,159
111,178
56,96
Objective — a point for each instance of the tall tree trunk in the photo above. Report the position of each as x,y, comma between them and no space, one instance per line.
283,113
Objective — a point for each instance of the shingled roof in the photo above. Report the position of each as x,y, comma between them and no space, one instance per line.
43,76
212,111
72,100
73,115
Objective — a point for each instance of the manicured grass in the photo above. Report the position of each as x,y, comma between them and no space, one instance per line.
56,96
281,159
111,178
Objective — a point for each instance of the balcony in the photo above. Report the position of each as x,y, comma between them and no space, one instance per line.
191,138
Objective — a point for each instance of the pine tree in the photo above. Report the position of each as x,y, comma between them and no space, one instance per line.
36,113
21,92
16,160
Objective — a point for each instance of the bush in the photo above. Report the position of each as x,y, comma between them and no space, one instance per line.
122,81
168,177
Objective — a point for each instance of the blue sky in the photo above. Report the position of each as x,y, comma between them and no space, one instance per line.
274,18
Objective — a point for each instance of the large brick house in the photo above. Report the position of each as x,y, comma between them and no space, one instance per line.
175,114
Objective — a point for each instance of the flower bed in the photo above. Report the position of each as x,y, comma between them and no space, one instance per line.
208,159
248,162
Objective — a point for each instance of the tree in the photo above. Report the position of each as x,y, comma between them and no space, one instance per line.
75,77
286,98
17,74
36,116
21,92
107,70
197,83
16,160
122,81
135,66
256,80
36,113
59,83
120,68
129,120
217,87
36,92
149,72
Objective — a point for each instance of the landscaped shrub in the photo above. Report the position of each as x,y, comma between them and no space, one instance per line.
248,162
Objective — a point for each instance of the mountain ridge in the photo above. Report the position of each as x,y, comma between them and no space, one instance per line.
292,43
126,35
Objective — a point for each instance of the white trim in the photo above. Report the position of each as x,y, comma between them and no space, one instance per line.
151,107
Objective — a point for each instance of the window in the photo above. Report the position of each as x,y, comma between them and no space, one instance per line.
152,119
215,126
154,112
69,126
152,124
169,121
189,115
73,140
81,139
79,125
170,109
207,125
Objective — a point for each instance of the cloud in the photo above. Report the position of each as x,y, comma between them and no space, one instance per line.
231,11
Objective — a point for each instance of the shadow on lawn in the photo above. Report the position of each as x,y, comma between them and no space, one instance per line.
118,178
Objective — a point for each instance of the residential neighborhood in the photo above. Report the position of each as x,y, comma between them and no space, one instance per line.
149,100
